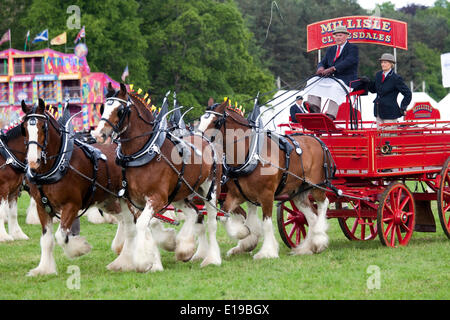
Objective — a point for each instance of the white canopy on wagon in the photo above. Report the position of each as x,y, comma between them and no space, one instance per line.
277,111
444,107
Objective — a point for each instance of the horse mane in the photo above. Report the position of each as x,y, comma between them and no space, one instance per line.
138,99
64,117
236,110
12,133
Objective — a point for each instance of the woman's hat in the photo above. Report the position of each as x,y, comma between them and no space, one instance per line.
340,29
387,57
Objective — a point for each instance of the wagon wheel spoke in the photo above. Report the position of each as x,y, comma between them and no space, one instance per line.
392,231
291,211
298,237
371,227
447,207
292,232
363,230
406,227
399,234
389,227
388,208
289,221
397,199
355,226
404,202
388,219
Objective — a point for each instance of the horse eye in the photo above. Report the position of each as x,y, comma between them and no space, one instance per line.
102,108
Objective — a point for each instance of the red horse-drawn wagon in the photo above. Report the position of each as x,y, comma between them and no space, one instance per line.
388,178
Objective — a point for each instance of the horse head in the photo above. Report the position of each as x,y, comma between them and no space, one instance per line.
214,116
113,113
35,130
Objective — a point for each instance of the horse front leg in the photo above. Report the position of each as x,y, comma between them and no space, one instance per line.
185,239
316,239
4,212
213,253
253,225
270,247
13,224
124,262
47,264
146,254
73,245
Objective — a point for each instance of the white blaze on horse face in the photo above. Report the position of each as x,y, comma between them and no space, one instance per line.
205,121
101,129
32,154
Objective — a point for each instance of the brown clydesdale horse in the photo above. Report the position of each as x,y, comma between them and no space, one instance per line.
12,169
259,187
87,178
157,175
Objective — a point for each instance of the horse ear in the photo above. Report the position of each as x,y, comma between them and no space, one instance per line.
210,102
41,105
123,88
110,87
25,108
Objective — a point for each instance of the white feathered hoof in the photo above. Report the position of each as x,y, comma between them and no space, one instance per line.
121,263
19,235
211,260
185,249
76,247
5,237
42,271
319,243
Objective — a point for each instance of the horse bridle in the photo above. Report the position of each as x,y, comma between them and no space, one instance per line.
122,112
221,119
32,120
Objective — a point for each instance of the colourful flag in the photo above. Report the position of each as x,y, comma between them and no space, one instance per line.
43,36
27,38
125,73
6,37
59,40
80,35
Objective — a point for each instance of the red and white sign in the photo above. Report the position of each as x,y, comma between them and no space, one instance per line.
363,29
422,110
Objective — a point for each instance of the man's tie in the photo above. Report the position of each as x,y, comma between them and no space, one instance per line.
338,51
382,78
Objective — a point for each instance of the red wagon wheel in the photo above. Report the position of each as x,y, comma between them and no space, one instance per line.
292,224
355,228
396,217
443,198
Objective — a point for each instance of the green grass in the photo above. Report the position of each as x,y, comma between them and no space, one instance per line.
420,270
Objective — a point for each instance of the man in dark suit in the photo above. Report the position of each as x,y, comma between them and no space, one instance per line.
387,86
341,61
301,107
297,107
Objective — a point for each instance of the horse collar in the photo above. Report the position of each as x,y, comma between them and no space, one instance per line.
11,159
151,148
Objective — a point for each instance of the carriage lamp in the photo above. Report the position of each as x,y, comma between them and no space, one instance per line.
386,148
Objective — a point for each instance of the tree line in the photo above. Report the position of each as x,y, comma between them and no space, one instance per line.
217,48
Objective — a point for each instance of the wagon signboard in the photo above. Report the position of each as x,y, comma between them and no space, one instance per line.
422,110
363,29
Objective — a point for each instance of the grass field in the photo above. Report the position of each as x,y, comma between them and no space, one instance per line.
346,270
